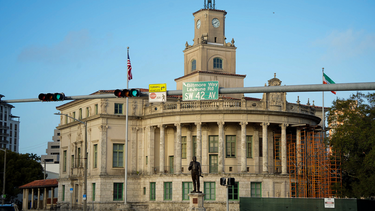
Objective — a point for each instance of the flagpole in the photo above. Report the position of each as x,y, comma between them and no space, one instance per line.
126,131
323,114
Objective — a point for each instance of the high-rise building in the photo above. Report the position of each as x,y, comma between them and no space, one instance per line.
53,150
9,127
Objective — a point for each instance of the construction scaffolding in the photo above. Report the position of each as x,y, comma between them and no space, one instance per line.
314,171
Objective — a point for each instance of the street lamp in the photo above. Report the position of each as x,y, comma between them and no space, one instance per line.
5,164
85,163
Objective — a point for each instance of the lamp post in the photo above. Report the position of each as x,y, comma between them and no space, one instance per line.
85,163
5,164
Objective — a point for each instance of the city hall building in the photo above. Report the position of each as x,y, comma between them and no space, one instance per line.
234,136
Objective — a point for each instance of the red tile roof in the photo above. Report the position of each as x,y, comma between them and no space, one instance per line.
40,184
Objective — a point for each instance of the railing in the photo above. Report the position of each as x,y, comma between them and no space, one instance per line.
222,104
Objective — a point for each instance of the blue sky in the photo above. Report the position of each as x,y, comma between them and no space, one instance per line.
79,47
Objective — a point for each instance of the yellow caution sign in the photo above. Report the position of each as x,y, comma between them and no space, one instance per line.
157,87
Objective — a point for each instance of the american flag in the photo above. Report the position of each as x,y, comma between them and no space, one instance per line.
130,76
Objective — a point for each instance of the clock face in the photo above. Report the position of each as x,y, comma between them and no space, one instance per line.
198,24
215,22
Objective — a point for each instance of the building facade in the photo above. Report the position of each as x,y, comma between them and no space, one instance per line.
234,136
9,127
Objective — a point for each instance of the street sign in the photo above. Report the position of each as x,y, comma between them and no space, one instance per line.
157,87
329,203
157,93
84,197
203,90
71,190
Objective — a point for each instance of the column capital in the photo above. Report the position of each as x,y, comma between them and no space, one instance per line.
177,124
263,124
221,123
198,123
244,123
103,128
162,126
284,125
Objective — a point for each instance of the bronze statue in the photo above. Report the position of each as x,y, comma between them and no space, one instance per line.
196,172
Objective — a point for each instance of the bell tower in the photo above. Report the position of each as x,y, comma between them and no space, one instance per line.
210,57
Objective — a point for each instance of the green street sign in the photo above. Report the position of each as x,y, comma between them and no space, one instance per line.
203,90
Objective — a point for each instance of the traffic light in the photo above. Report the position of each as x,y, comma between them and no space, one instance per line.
51,96
222,181
231,181
127,93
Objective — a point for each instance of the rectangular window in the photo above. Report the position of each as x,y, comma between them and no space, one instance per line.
146,160
117,191
93,191
167,191
96,109
118,108
152,191
183,147
87,111
63,193
214,144
233,192
95,156
194,146
213,163
256,189
230,146
187,187
66,120
249,146
80,113
209,190
72,161
118,155
64,167
171,164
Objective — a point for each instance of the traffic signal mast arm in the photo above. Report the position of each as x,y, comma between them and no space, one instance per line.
264,89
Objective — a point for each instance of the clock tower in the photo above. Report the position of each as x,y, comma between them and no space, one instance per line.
211,58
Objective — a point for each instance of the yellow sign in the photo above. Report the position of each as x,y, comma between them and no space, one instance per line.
157,87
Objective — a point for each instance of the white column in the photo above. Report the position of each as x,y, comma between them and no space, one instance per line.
283,149
38,202
103,149
178,149
162,148
243,147
32,198
150,149
221,148
265,147
199,141
53,195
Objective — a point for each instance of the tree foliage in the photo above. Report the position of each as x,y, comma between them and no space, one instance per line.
353,124
20,170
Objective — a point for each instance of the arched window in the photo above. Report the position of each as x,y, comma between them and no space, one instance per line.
193,65
218,63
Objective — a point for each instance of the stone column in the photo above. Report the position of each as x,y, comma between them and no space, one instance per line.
38,202
221,156
299,152
205,146
103,149
199,141
162,148
134,143
189,144
52,195
25,199
150,149
283,149
243,147
45,199
32,198
265,147
178,149
256,152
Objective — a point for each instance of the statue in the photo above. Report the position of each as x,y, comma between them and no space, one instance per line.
196,172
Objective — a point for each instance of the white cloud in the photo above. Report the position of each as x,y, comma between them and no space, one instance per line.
347,44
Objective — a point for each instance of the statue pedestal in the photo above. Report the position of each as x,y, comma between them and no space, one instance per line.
196,201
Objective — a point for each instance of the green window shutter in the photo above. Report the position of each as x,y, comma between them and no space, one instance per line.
65,160
187,187
233,192
167,191
93,191
63,193
152,191
256,189
183,147
230,146
210,190
95,155
214,144
117,191
118,155
249,146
